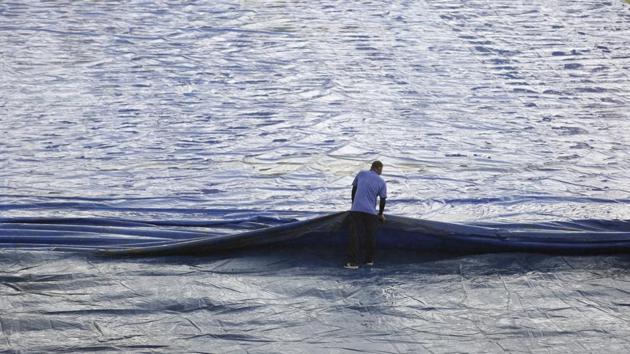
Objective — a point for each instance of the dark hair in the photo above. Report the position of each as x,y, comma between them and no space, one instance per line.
376,164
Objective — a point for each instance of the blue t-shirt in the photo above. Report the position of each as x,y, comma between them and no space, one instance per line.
369,185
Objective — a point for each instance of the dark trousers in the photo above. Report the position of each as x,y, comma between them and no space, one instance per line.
362,231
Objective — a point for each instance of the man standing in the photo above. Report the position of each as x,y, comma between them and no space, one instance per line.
367,185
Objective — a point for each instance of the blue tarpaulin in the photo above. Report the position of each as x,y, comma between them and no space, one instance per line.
154,237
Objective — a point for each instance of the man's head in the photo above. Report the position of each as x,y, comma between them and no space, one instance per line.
377,167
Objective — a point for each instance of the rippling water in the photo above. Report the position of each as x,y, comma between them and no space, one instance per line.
480,110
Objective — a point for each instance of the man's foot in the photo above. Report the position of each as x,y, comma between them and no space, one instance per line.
351,265
369,264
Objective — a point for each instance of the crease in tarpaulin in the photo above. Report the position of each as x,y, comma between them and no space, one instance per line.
109,236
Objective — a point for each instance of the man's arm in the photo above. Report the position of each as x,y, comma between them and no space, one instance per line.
354,191
383,197
381,207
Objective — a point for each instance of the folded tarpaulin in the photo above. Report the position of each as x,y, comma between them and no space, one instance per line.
133,237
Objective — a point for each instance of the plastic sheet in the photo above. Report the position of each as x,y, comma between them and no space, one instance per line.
209,137
301,300
129,237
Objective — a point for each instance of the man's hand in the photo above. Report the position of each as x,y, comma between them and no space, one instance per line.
381,218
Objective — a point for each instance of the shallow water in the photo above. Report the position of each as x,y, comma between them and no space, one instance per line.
480,110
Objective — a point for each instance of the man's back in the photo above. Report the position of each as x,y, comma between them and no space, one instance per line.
368,185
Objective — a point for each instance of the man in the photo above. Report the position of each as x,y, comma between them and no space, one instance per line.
367,185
